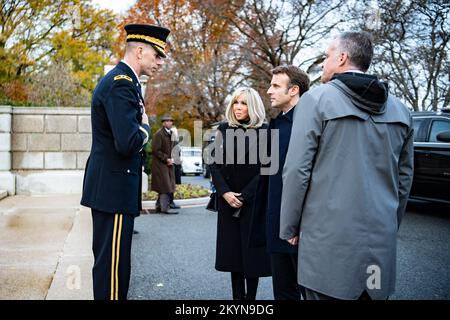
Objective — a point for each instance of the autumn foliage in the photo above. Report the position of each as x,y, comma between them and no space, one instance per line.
216,46
52,52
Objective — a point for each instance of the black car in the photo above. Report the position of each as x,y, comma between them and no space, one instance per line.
431,156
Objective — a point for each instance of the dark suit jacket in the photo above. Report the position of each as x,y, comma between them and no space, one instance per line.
267,202
113,174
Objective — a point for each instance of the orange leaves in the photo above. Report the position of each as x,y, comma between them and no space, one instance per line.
14,91
42,33
194,83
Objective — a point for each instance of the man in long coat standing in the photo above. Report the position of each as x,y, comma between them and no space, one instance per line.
163,174
347,177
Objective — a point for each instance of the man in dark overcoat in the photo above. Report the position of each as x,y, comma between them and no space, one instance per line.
288,84
163,174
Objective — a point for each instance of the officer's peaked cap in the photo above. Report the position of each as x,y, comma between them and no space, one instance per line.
148,33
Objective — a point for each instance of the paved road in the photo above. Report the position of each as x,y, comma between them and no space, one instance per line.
173,256
424,253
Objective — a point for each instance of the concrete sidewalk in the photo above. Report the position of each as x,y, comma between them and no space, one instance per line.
45,248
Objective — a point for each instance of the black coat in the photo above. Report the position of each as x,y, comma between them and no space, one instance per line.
232,251
268,202
113,174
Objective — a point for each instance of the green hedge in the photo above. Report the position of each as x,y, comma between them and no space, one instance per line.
182,191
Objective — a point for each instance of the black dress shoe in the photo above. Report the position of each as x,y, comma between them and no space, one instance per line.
174,206
158,209
135,232
169,212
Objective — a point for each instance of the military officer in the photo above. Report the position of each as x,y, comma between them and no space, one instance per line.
113,175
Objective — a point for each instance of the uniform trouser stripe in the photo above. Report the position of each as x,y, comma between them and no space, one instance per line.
113,258
119,236
111,246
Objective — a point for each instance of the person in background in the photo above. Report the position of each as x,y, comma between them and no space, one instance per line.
176,165
163,173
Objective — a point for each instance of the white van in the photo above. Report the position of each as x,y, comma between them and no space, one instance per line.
191,160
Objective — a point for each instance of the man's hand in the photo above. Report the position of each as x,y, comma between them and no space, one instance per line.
145,119
230,197
293,241
170,162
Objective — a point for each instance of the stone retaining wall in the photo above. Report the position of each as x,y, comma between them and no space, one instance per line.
44,150
50,138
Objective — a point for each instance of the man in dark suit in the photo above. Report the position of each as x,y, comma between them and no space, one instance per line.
287,85
113,176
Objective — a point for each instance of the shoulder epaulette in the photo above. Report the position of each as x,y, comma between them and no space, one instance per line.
122,76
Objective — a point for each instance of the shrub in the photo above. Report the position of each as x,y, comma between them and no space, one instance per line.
57,87
182,191
13,93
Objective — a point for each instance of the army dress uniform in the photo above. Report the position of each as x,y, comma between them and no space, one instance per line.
113,174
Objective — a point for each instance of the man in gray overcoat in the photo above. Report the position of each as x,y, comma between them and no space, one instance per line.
163,174
347,177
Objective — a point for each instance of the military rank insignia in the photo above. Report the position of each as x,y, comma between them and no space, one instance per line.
122,76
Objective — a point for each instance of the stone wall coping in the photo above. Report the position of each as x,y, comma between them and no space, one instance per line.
5,109
48,110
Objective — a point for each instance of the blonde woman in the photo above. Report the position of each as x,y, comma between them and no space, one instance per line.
235,180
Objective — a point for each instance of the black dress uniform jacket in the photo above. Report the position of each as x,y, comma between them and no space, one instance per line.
232,252
113,174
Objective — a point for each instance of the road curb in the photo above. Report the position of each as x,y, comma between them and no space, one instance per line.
181,202
3,194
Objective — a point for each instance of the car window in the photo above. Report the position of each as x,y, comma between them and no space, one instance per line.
416,124
438,126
